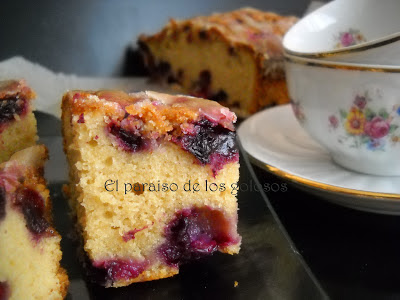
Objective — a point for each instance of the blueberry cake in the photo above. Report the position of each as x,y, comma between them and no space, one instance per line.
17,122
235,57
153,181
29,245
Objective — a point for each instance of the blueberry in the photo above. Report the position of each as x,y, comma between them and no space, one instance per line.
204,79
31,204
129,141
4,290
10,107
108,271
2,203
163,68
212,144
195,233
203,35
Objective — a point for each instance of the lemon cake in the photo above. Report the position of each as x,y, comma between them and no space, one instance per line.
29,245
17,122
153,181
234,57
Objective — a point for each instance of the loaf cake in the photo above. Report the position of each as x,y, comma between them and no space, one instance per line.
235,57
29,245
17,122
153,181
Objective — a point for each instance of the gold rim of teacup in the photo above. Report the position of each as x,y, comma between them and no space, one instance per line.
346,50
319,185
342,66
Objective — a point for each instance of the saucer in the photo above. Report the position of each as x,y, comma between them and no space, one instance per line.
275,141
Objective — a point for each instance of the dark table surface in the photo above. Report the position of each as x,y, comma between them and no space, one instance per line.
354,255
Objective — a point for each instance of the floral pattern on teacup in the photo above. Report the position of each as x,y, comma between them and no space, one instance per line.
349,38
365,127
298,111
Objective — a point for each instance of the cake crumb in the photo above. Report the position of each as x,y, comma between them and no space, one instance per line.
235,284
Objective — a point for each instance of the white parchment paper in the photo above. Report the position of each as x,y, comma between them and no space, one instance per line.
50,86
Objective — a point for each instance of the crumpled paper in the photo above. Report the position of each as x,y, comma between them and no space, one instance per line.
50,86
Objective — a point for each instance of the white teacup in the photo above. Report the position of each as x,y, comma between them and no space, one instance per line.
353,110
356,31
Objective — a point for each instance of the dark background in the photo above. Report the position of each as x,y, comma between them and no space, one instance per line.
91,35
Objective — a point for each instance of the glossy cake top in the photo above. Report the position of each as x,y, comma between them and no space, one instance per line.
263,31
162,109
15,89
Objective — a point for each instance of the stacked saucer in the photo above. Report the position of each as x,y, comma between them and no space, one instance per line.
343,73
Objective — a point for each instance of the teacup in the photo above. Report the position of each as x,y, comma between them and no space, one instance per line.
353,110
357,31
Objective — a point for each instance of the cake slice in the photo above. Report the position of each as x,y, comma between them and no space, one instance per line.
17,122
153,181
29,245
234,57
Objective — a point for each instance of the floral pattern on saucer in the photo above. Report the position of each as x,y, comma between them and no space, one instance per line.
349,38
365,127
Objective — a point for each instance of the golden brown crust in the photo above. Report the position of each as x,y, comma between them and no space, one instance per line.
16,88
246,27
161,121
78,104
155,113
64,281
153,120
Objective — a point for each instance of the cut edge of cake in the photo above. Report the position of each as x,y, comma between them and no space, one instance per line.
30,266
122,248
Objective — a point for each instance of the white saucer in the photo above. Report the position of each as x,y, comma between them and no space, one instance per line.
275,140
